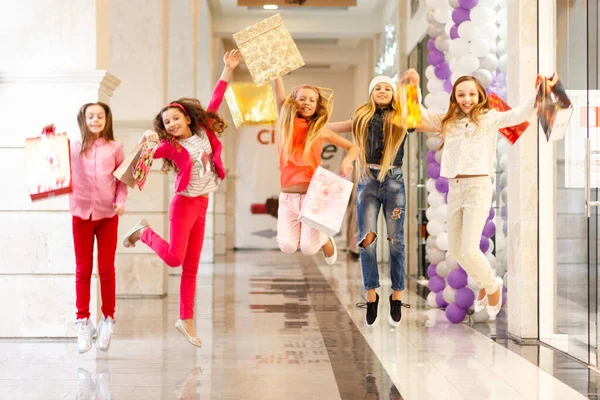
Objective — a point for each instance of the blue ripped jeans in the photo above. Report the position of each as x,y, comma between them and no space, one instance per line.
391,195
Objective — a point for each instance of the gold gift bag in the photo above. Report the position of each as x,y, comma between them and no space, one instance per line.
251,104
410,110
268,50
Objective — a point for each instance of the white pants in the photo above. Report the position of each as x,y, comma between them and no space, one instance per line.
469,201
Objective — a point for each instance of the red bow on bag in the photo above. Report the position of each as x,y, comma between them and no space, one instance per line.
512,133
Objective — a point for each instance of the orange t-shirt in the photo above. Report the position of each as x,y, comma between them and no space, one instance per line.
298,170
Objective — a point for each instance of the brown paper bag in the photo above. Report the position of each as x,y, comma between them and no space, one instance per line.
125,171
268,50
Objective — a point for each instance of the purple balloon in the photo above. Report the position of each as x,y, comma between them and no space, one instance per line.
431,44
436,284
464,297
504,298
442,71
439,299
431,271
504,212
489,229
433,170
455,314
454,32
448,85
441,184
484,244
467,4
492,214
430,156
435,57
460,15
457,278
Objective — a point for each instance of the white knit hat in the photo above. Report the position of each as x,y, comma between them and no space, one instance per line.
381,79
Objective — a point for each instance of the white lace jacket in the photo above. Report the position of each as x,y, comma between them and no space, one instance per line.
469,149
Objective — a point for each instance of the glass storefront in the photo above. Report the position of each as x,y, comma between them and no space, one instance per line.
568,183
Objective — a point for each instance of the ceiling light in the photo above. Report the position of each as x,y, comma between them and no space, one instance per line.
270,7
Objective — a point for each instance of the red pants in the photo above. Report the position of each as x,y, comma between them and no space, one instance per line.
187,220
105,231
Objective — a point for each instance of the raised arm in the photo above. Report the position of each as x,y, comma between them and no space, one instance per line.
279,92
341,126
522,113
353,150
231,59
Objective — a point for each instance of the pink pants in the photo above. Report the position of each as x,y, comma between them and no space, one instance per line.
290,232
187,219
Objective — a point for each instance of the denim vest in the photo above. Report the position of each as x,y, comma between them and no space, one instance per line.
376,139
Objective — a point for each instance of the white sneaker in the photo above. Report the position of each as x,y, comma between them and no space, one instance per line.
85,385
106,328
331,260
494,310
85,332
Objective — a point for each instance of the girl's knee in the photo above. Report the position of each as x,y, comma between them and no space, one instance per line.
286,247
309,249
367,240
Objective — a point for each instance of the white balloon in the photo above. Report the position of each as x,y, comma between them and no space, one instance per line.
481,316
504,195
482,15
484,76
442,15
503,63
451,262
442,270
468,30
454,64
442,241
438,156
502,4
488,3
448,26
454,77
492,260
493,47
442,43
472,285
490,248
503,31
504,179
441,214
430,16
489,31
449,294
434,143
435,85
503,145
502,15
431,302
430,186
430,72
469,63
434,256
435,227
501,47
489,62
429,101
459,47
435,29
480,47
435,199
504,161
431,242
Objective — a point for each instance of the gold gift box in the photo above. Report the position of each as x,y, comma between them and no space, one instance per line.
268,50
251,104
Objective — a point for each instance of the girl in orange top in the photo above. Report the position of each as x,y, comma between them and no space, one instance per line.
303,117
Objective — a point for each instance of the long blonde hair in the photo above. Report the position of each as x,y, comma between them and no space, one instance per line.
454,110
393,136
316,123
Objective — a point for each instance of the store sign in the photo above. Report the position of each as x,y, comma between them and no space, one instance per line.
585,121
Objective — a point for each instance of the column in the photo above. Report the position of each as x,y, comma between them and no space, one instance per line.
58,63
522,241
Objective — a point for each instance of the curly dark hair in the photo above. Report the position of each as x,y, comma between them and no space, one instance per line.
201,119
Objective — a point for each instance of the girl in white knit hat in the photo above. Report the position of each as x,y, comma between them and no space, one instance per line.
381,185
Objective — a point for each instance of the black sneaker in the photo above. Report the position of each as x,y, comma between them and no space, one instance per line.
372,311
395,316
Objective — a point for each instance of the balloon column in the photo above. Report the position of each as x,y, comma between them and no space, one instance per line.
468,37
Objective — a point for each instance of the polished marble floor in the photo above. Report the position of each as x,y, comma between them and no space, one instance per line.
285,327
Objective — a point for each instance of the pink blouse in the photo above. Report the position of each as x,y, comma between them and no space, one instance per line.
95,189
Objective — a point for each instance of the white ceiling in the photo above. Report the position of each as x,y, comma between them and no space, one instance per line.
363,8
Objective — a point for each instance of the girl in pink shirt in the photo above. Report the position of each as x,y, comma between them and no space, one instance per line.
190,147
97,201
